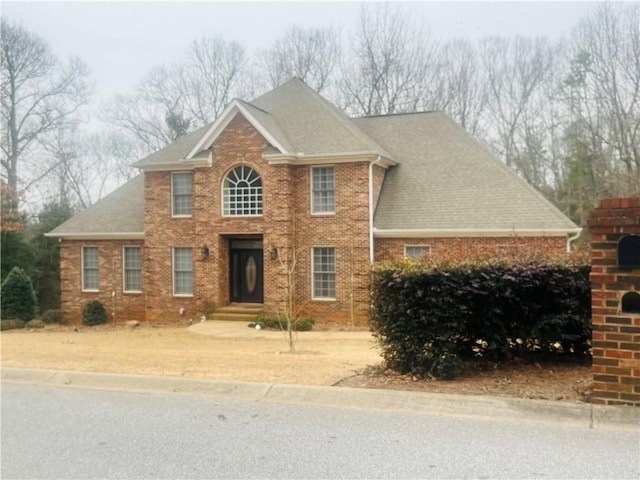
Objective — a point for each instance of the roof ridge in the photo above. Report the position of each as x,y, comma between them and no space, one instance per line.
253,106
384,115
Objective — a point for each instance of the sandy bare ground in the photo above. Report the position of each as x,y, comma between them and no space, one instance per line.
234,353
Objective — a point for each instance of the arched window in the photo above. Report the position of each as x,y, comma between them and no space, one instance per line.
242,192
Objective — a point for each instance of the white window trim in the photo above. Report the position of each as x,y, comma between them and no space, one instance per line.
335,273
226,215
82,269
173,273
322,214
124,281
427,247
173,215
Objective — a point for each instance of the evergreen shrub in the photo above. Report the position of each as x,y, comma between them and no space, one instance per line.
274,322
18,297
93,313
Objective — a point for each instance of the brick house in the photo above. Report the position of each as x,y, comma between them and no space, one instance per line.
215,217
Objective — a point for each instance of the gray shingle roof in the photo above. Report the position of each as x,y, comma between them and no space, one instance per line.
444,180
121,212
447,180
175,151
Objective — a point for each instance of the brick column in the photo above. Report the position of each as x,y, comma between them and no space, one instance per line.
616,333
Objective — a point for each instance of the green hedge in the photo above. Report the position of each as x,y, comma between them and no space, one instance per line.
430,319
274,322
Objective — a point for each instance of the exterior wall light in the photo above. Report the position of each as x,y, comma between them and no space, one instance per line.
204,252
274,253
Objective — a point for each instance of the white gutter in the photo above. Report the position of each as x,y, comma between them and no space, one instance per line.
371,207
474,232
571,238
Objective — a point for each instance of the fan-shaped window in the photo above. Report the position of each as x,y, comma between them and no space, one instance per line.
242,192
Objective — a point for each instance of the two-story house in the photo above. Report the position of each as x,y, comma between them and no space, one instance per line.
219,216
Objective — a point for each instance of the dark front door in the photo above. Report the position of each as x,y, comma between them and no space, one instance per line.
246,271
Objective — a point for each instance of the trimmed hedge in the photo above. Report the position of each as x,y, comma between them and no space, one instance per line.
429,319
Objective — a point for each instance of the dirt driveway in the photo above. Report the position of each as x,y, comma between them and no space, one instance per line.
218,350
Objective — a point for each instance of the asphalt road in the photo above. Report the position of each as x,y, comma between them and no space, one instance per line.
72,433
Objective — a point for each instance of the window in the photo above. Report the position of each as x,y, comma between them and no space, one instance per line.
182,271
323,194
181,194
324,272
416,251
132,265
90,268
242,192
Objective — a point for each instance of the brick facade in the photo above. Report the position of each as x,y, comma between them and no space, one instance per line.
120,306
286,224
616,333
468,247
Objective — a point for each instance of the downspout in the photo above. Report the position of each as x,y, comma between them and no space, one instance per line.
371,164
571,238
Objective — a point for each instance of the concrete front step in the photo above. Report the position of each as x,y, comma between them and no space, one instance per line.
237,317
234,312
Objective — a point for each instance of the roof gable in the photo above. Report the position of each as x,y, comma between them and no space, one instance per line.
261,120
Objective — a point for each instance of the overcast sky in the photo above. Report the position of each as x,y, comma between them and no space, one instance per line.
121,41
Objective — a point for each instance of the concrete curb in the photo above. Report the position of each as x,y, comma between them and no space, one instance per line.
513,409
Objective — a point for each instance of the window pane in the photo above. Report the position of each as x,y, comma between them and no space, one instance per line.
132,269
90,268
324,272
182,271
416,251
323,195
242,192
181,192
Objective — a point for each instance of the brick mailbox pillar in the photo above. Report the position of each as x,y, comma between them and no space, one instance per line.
615,301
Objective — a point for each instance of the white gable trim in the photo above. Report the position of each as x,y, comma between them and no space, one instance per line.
221,123
327,158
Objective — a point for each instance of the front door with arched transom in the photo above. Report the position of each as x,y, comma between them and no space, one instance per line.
246,267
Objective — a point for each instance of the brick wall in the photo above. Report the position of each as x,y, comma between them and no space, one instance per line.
616,334
467,247
128,306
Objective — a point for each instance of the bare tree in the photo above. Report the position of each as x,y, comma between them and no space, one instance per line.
389,70
463,87
173,99
606,79
38,94
311,54
518,72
